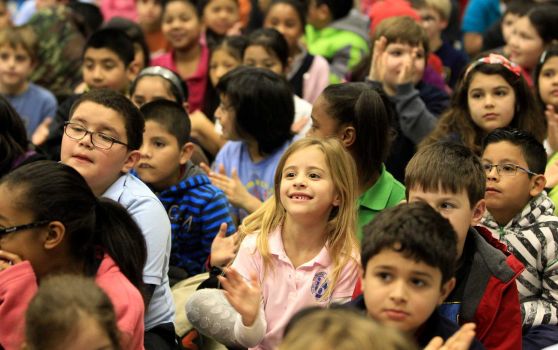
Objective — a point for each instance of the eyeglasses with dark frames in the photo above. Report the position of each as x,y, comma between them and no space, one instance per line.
507,169
77,132
8,230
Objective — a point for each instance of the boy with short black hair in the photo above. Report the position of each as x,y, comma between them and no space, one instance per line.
450,178
195,207
18,59
108,62
521,215
338,34
101,141
408,260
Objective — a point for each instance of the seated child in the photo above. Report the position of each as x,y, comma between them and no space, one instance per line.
101,141
108,59
520,214
450,178
408,261
398,65
435,15
196,208
256,113
70,312
336,33
150,15
18,58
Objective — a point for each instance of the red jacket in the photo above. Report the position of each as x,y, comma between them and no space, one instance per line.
18,285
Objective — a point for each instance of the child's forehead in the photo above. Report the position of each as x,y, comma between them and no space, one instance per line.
439,192
402,43
393,258
504,150
89,112
101,54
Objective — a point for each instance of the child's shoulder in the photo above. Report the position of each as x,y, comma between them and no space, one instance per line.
490,256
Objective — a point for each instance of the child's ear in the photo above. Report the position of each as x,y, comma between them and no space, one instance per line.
446,290
324,14
336,200
537,185
186,153
54,235
478,212
348,136
131,161
443,24
132,71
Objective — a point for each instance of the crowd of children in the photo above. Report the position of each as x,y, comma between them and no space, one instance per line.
278,174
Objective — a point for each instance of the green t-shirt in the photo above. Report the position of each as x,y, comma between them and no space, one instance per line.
387,192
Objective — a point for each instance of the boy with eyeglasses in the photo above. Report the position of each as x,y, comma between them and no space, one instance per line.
101,141
520,214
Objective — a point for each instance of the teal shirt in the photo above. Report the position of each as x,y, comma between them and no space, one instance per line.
387,192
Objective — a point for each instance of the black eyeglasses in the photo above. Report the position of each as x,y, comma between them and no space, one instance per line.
8,230
505,169
98,139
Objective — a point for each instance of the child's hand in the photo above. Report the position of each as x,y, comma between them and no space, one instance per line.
299,124
377,66
552,119
407,72
7,260
243,296
223,249
460,340
41,133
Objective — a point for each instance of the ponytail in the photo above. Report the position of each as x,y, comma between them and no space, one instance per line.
121,238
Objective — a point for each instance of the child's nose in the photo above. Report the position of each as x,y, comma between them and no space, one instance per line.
398,292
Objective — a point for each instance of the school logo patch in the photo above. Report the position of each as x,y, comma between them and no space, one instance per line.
320,283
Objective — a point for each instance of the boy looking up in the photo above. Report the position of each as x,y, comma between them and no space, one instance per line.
408,262
18,58
101,141
195,207
520,214
450,178
108,62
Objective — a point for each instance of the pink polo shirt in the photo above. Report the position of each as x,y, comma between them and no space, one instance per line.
197,82
286,289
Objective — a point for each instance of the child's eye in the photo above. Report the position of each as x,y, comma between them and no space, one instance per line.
314,176
447,205
289,174
476,95
159,144
501,93
4,56
417,282
384,276
549,73
105,137
396,53
77,128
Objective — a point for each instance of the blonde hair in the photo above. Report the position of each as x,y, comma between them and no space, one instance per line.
443,7
341,240
23,36
339,329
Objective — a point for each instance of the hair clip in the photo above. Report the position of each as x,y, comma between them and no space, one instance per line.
165,74
496,59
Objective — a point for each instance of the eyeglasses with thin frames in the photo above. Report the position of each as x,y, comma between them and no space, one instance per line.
77,132
507,169
8,230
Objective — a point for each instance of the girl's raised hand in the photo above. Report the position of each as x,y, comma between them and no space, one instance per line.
377,67
223,248
244,296
460,340
7,260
